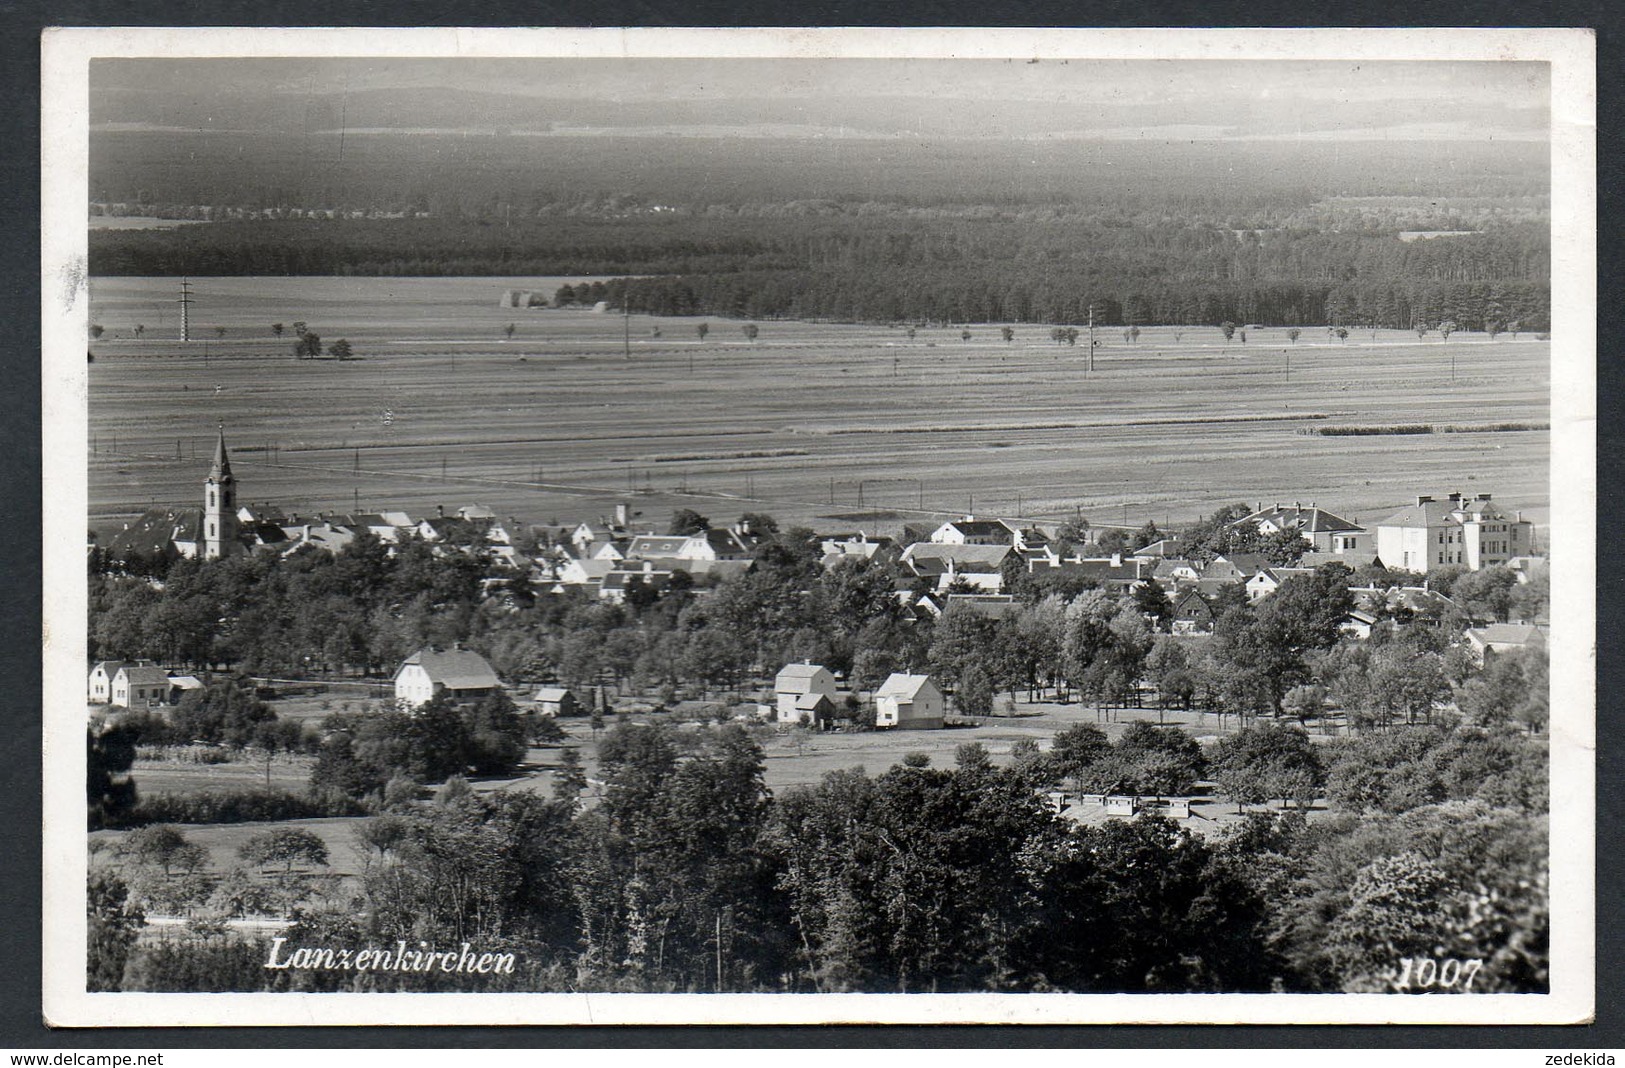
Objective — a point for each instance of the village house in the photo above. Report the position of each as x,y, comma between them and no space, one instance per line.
945,563
909,702
1235,567
139,686
1270,579
844,546
556,701
1323,531
973,531
1113,573
1192,614
459,673
1358,623
1168,548
1504,637
1469,531
797,681
101,678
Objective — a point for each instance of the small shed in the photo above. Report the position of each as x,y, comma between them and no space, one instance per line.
557,701
909,702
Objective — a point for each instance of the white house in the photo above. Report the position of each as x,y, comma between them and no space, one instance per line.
796,681
973,531
908,702
101,680
1469,531
138,686
461,673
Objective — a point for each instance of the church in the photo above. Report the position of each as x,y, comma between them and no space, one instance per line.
212,532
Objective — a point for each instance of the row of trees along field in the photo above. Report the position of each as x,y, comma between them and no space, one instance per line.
362,610
894,267
689,875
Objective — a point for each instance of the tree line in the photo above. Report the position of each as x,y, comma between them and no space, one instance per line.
894,267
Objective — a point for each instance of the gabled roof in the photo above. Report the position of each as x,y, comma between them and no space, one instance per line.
656,545
1425,514
982,528
1247,564
1526,634
809,702
552,693
797,678
137,675
931,558
108,667
903,687
1296,517
157,530
1353,561
1167,547
1105,570
455,669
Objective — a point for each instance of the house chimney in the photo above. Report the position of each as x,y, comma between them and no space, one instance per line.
621,518
1117,559
1455,498
1483,496
440,511
1424,500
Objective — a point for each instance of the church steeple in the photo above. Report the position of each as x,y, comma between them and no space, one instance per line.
220,504
221,471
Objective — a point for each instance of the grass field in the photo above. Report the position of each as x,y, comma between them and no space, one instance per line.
835,425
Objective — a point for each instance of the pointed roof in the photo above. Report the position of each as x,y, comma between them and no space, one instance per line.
221,469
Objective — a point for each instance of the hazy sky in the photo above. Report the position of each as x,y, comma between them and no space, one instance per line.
980,98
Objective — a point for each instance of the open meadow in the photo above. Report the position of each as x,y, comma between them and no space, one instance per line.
829,424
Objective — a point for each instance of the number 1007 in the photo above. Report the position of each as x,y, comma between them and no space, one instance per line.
1425,973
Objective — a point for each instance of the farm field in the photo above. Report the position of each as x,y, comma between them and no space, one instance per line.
831,425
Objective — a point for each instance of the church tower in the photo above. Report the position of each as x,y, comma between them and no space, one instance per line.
220,505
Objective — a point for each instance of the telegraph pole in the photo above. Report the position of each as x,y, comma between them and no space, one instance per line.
185,302
1091,336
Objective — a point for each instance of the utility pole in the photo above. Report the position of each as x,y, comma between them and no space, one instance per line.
626,322
1091,337
185,302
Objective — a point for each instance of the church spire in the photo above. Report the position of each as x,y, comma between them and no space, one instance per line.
221,471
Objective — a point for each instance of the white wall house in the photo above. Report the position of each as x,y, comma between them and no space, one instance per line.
909,702
137,686
796,681
100,687
973,531
463,674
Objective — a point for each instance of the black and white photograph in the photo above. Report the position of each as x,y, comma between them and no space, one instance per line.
835,527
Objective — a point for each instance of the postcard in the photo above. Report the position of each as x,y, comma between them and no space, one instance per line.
819,526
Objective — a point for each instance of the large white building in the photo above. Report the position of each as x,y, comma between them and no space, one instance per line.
1467,531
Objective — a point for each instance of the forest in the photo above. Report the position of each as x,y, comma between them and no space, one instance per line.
689,875
893,267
